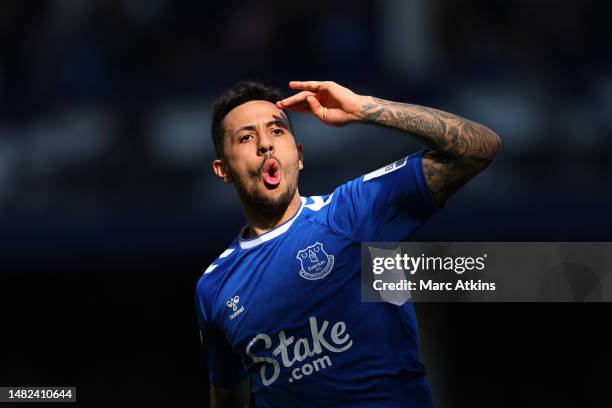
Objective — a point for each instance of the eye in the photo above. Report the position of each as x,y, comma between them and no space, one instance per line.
277,132
245,138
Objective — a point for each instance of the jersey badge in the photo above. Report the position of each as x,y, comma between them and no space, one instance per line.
315,262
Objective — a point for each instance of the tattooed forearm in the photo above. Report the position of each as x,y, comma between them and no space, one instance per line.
444,132
462,148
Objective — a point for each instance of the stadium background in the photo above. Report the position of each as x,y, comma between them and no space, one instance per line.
109,211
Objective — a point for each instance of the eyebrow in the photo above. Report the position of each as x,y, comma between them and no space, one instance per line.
277,122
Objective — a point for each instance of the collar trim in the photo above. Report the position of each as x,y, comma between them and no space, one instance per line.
273,233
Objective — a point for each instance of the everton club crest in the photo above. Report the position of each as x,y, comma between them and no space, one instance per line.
316,263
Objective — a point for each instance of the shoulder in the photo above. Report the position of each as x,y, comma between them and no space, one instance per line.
349,194
321,207
314,204
316,208
326,210
212,277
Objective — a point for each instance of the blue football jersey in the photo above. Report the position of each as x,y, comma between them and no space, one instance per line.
284,308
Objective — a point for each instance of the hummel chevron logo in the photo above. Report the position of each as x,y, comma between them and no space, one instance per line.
233,304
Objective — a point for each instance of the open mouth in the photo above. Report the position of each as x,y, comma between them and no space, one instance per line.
271,173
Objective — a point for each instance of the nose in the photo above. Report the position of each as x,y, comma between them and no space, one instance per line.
266,144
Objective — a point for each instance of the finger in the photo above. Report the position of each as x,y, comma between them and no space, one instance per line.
310,105
314,86
315,106
295,99
300,108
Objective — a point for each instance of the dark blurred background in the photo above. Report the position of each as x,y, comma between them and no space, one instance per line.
109,210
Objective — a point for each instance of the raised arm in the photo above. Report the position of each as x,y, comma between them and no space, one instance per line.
461,148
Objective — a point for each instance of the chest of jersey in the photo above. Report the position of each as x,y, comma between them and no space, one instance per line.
276,285
291,309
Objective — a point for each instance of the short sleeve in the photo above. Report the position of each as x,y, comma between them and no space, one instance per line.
386,205
224,366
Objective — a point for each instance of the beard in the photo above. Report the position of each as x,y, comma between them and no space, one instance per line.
258,201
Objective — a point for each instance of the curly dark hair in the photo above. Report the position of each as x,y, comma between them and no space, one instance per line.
239,93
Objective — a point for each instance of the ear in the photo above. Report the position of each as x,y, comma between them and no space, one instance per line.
221,171
300,148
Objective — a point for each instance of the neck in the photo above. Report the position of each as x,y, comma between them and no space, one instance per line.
260,223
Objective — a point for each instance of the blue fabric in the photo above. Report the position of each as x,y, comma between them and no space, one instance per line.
284,308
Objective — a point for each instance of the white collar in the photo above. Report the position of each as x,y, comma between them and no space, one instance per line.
273,233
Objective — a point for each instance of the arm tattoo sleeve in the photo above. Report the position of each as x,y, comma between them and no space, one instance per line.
461,148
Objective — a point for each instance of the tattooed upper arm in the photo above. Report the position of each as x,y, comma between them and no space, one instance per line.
465,149
445,176
461,148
